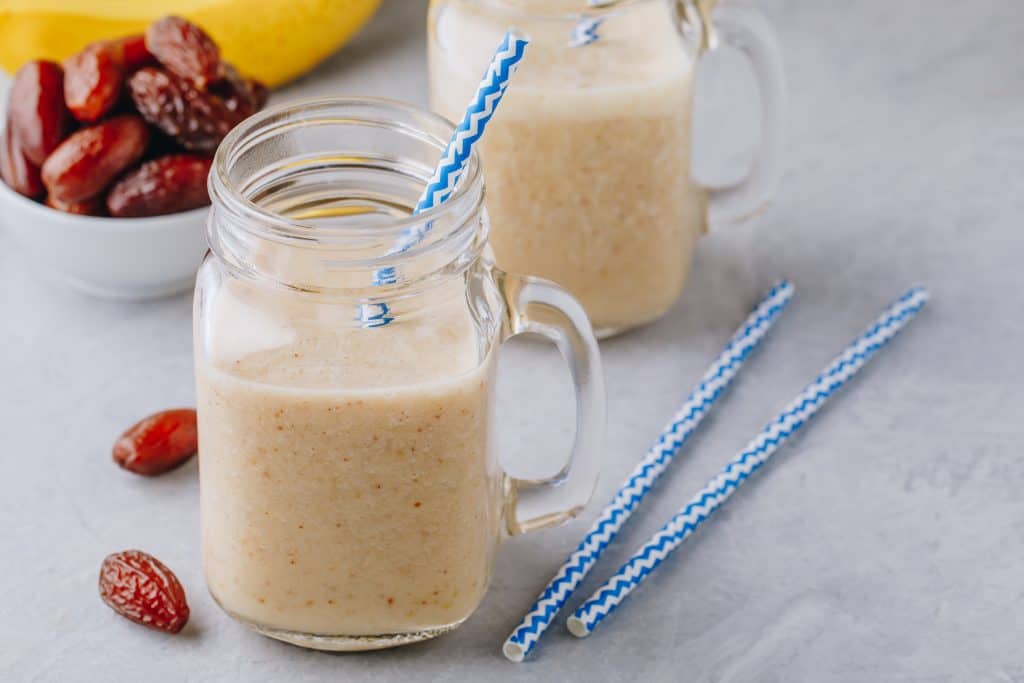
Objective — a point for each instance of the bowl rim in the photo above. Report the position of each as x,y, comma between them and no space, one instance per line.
7,193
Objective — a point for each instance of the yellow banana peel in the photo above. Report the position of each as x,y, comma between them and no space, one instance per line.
272,40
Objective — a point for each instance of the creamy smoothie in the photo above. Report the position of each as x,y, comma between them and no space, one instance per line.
587,162
348,484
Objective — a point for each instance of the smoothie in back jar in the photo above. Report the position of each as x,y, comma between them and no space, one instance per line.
588,161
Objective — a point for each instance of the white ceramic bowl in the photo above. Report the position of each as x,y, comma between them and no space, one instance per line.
118,258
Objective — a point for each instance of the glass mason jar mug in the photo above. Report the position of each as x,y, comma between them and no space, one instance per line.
350,493
589,157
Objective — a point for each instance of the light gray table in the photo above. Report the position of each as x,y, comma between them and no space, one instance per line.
887,543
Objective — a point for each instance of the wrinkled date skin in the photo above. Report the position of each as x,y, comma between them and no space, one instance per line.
158,443
169,184
140,587
243,96
93,79
89,207
88,161
185,50
37,113
258,93
198,121
20,174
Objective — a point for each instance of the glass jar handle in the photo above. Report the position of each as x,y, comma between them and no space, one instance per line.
750,32
540,307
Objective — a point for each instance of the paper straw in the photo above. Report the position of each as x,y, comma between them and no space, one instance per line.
584,32
604,601
524,639
456,155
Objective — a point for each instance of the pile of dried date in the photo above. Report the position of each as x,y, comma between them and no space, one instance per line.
126,127
133,583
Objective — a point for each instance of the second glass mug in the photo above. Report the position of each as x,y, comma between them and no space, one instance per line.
350,493
589,156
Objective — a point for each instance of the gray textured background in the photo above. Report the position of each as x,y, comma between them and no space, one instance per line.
885,544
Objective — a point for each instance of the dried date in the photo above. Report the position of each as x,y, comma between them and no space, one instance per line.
38,116
197,120
91,158
158,443
93,80
134,53
169,184
185,50
258,93
94,206
20,174
243,96
140,587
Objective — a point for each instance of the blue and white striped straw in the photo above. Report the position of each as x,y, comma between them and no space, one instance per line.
460,147
584,32
604,601
524,639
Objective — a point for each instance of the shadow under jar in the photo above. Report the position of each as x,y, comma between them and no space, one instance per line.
350,493
589,157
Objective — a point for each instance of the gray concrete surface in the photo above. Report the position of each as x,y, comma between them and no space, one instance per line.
887,543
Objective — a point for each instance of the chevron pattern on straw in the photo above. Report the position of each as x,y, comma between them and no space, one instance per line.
525,637
756,454
375,315
478,114
455,156
584,32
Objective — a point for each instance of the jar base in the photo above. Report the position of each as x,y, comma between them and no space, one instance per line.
350,643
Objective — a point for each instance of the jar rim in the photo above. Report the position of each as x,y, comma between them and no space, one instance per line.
464,202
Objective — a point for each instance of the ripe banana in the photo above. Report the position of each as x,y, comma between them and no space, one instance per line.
272,40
